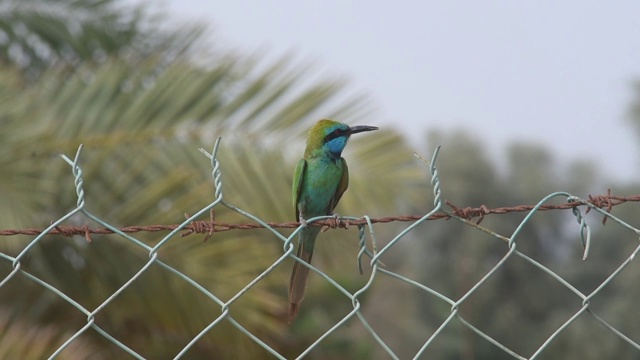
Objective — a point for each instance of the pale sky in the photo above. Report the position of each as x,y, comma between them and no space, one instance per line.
555,72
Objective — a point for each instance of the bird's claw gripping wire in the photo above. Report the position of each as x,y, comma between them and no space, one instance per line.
334,223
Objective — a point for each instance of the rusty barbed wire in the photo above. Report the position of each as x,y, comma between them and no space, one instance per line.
606,202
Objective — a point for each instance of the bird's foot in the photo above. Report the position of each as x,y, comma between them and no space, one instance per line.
334,223
303,222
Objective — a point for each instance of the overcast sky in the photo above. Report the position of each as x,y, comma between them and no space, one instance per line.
555,72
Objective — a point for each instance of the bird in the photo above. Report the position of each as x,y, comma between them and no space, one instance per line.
319,180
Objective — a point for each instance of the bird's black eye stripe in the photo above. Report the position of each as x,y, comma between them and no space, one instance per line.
334,134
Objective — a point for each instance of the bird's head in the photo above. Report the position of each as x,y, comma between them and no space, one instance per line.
328,137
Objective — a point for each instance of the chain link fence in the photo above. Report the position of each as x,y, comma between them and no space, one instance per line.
370,252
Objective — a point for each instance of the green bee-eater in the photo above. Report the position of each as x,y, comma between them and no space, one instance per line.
319,181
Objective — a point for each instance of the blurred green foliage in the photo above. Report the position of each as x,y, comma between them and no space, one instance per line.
143,99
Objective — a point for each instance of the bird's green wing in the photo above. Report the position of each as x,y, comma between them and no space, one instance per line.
342,186
298,174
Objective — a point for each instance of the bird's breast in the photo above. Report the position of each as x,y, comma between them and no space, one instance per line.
320,182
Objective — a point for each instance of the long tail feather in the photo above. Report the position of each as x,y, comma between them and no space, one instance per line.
300,272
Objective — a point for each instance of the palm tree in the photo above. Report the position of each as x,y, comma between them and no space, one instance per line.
142,110
66,33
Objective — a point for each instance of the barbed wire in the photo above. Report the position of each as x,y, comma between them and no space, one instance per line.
606,201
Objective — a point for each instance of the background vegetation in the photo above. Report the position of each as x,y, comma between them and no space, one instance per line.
143,100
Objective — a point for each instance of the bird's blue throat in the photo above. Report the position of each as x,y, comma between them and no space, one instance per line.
335,146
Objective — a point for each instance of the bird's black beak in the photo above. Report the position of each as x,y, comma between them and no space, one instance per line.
361,128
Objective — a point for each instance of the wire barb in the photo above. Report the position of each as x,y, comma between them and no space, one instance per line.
468,213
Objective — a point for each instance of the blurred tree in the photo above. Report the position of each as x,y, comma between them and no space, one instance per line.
519,306
143,105
37,34
634,109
